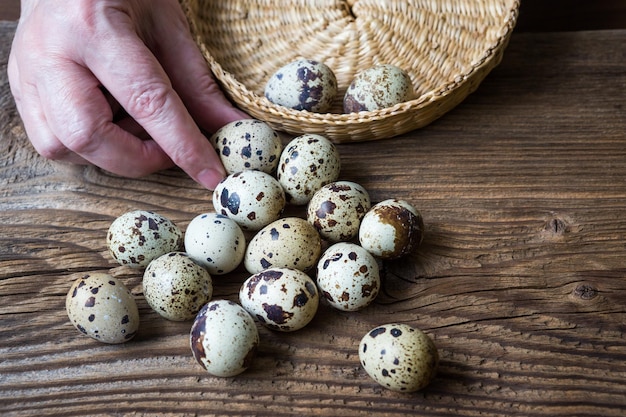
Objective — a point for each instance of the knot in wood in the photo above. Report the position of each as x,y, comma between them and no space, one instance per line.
585,292
556,226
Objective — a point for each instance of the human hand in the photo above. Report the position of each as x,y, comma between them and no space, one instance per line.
119,84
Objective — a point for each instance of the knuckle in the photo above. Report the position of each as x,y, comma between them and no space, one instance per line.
51,151
184,156
79,142
149,101
84,136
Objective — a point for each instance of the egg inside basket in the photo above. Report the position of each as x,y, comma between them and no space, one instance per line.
447,47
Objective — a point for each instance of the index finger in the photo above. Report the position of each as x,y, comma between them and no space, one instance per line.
131,73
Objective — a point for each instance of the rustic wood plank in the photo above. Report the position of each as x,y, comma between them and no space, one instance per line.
520,279
566,15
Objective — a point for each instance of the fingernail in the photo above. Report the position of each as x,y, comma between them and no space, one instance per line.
209,178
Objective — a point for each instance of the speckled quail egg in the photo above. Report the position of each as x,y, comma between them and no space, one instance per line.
399,357
247,144
224,338
307,163
251,198
281,299
303,84
391,229
103,308
336,210
176,287
216,242
348,276
376,88
290,242
137,237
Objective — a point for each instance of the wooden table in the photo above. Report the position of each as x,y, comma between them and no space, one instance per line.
520,281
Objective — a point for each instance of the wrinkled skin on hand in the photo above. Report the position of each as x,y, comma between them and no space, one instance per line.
119,84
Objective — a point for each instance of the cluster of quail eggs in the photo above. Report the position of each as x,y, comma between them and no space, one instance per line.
331,254
306,84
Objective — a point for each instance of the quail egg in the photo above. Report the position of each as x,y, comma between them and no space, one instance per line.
253,199
102,307
176,287
281,299
336,210
348,276
247,144
399,357
376,88
303,84
224,338
307,163
216,242
137,237
290,242
391,229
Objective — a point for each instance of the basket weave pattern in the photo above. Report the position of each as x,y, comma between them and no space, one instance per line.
447,47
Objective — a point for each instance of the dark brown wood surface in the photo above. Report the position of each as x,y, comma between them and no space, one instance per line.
10,10
535,15
520,281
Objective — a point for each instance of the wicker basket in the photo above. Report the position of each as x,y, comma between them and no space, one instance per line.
446,46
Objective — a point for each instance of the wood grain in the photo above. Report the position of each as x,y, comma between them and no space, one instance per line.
520,279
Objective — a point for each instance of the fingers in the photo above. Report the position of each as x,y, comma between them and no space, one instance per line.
43,139
77,111
181,59
95,146
68,117
28,105
135,78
